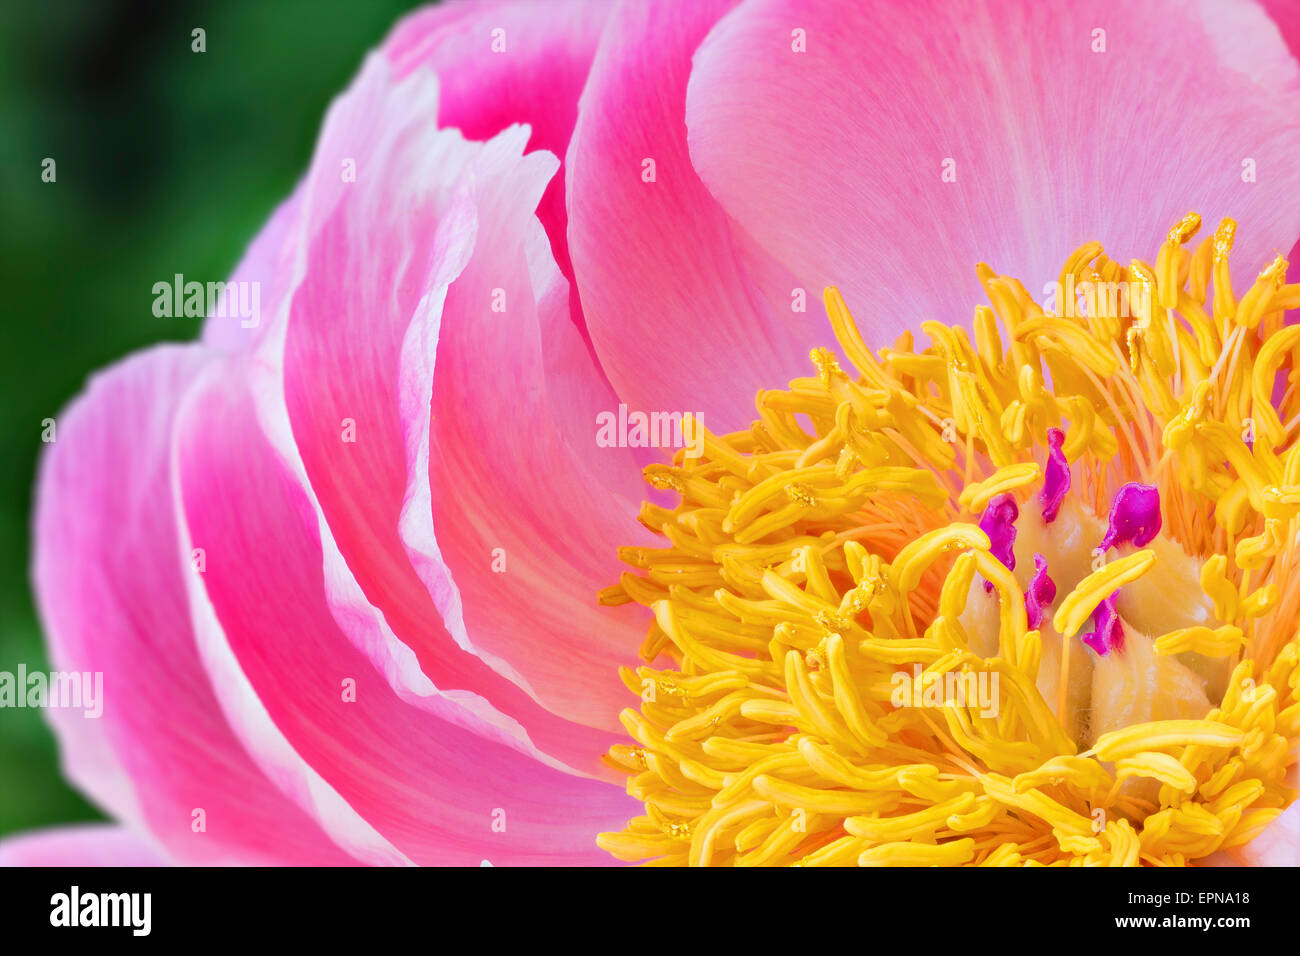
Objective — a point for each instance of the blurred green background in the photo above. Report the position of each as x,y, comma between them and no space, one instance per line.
168,161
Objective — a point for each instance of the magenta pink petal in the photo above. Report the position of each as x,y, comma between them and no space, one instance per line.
310,703
499,64
1286,14
684,313
840,172
90,844
355,416
110,576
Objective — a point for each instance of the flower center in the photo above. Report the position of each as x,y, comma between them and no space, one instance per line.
1003,599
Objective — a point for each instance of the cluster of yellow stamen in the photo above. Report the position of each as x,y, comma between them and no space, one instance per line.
834,544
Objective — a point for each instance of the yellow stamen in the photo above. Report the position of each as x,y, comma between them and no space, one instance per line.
839,668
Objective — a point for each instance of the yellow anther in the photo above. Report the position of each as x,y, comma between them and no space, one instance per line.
660,477
1223,239
1096,587
800,493
831,623
1163,734
1158,766
1258,301
976,497
1210,642
1185,228
1221,591
1182,428
827,367
671,688
818,657
1275,273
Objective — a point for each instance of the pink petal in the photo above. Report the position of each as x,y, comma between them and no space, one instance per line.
1286,15
832,158
527,509
109,576
344,376
1279,845
682,315
89,844
430,789
531,72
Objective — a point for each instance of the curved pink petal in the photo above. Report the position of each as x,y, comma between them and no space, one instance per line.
309,702
1286,14
528,508
109,574
499,64
834,158
684,313
355,417
89,844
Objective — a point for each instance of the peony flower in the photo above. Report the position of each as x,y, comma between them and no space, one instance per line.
340,566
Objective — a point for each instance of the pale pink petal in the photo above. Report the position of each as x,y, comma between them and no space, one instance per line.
109,574
81,845
1286,16
680,316
833,158
310,704
528,509
1278,845
499,64
353,418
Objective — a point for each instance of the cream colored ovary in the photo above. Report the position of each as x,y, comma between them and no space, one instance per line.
1132,683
